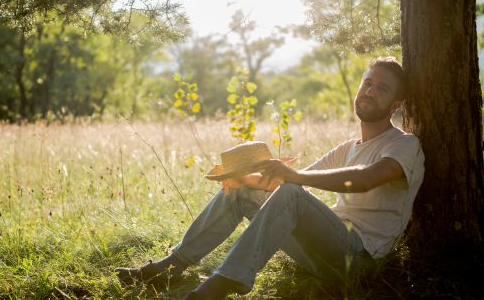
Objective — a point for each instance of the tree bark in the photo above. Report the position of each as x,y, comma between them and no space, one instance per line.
343,72
443,109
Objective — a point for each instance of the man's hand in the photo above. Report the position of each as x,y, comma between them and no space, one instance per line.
275,172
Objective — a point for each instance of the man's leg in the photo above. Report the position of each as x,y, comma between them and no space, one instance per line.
217,222
290,213
214,224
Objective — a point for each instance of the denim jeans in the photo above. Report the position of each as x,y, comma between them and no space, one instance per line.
291,219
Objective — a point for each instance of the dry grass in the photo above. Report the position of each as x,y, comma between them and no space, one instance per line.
79,199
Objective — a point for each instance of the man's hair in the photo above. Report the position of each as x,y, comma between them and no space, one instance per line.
391,64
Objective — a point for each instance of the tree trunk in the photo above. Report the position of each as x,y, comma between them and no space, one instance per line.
343,72
443,109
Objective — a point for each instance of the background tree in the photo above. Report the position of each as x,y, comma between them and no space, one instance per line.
323,82
50,65
163,19
359,26
255,51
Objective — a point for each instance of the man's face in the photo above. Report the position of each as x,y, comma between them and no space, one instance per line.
375,98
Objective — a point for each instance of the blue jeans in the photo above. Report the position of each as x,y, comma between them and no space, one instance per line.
291,219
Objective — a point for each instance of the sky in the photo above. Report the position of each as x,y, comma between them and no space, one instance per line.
214,16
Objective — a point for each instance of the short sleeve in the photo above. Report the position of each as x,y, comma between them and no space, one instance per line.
335,158
407,151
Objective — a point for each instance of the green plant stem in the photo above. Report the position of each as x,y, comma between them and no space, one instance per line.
122,180
164,169
195,137
279,133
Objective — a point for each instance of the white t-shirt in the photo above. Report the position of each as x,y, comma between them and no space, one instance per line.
380,215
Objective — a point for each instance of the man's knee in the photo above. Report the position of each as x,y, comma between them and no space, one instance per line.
286,192
290,188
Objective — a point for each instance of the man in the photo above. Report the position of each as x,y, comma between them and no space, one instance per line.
375,177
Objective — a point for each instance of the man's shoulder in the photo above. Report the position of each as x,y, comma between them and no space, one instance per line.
400,136
403,142
345,145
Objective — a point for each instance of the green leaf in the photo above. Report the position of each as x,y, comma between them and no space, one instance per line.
232,98
253,100
297,116
178,103
193,88
231,89
285,105
179,94
196,108
251,87
252,126
177,77
189,162
192,96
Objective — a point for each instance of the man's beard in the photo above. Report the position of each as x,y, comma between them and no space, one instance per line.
372,113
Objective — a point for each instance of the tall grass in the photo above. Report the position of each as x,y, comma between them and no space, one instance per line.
78,200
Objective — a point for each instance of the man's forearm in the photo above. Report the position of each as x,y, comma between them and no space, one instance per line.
254,181
344,180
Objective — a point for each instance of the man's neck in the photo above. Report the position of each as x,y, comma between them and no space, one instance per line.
371,130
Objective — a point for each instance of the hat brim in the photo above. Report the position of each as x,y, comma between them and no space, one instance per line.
218,174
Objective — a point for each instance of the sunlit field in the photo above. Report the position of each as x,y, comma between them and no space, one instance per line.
78,200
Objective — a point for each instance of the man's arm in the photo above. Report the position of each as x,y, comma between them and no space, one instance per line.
253,181
343,180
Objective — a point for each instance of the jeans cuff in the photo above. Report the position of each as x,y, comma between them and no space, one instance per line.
188,262
245,285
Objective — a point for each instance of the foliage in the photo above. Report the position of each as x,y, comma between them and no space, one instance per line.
255,51
283,116
55,71
479,9
356,26
241,97
163,20
186,97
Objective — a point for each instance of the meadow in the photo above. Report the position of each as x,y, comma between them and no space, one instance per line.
78,200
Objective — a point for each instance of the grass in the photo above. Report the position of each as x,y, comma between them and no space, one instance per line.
78,200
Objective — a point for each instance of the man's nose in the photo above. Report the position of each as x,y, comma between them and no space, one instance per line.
370,91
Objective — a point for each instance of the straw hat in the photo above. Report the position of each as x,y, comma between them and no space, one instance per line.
239,160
